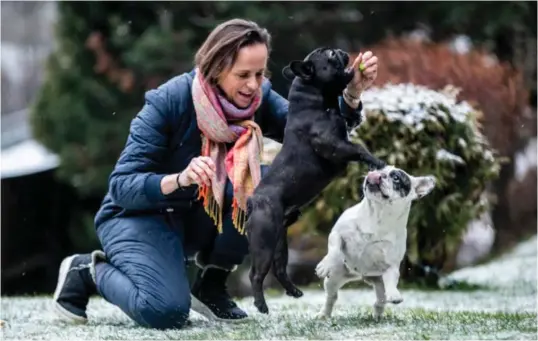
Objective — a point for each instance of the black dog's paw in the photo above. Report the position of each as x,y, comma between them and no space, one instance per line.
294,292
261,306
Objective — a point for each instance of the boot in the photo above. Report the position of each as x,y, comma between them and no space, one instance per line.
209,296
76,283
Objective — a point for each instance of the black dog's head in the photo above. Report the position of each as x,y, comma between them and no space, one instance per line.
324,68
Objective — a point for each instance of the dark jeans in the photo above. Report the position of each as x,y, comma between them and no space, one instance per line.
145,273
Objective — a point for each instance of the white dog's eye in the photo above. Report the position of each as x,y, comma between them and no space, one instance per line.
395,178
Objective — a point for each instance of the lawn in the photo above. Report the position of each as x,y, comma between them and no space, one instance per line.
504,308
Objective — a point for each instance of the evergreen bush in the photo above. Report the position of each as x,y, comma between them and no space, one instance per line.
423,132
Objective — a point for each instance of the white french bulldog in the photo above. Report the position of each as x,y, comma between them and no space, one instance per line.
368,241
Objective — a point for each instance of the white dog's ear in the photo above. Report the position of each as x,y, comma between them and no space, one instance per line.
424,185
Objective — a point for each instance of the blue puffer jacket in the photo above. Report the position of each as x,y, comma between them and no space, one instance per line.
162,140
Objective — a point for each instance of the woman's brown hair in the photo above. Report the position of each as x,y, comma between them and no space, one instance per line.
219,50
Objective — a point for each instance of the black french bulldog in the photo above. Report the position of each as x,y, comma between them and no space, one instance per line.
314,151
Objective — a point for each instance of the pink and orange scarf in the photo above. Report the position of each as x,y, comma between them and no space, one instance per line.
221,123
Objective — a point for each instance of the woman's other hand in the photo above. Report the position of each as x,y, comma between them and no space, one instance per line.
365,66
199,171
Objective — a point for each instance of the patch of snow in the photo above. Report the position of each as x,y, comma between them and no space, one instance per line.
476,241
420,34
414,104
516,270
445,155
461,44
488,155
525,160
25,158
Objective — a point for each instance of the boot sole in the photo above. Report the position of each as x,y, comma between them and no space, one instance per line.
56,306
204,310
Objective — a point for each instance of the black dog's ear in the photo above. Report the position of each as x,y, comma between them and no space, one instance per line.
304,70
301,69
287,73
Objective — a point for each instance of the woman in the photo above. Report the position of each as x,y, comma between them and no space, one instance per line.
178,188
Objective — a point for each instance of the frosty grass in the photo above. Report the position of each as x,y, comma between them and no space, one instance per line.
504,309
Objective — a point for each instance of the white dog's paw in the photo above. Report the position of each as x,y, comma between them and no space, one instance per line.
322,316
394,297
322,269
378,311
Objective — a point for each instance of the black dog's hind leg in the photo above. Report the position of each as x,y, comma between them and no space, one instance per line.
342,150
262,226
280,262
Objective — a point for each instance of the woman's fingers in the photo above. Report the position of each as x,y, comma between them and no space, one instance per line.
194,177
372,61
208,166
370,72
202,171
207,161
367,56
357,62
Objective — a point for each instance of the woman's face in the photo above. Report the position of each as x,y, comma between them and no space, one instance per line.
241,82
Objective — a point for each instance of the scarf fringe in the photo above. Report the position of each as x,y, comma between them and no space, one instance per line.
211,207
239,217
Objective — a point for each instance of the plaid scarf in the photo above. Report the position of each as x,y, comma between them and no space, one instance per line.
220,123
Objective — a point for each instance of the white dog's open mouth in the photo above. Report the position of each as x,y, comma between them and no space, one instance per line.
383,195
377,188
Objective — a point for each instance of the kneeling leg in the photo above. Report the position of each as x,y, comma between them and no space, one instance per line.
145,275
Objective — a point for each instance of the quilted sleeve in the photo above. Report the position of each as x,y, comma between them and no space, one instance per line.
274,113
353,116
135,181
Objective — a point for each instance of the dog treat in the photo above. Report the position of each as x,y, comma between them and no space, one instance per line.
361,67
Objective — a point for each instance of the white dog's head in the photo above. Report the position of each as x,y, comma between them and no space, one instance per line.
392,184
